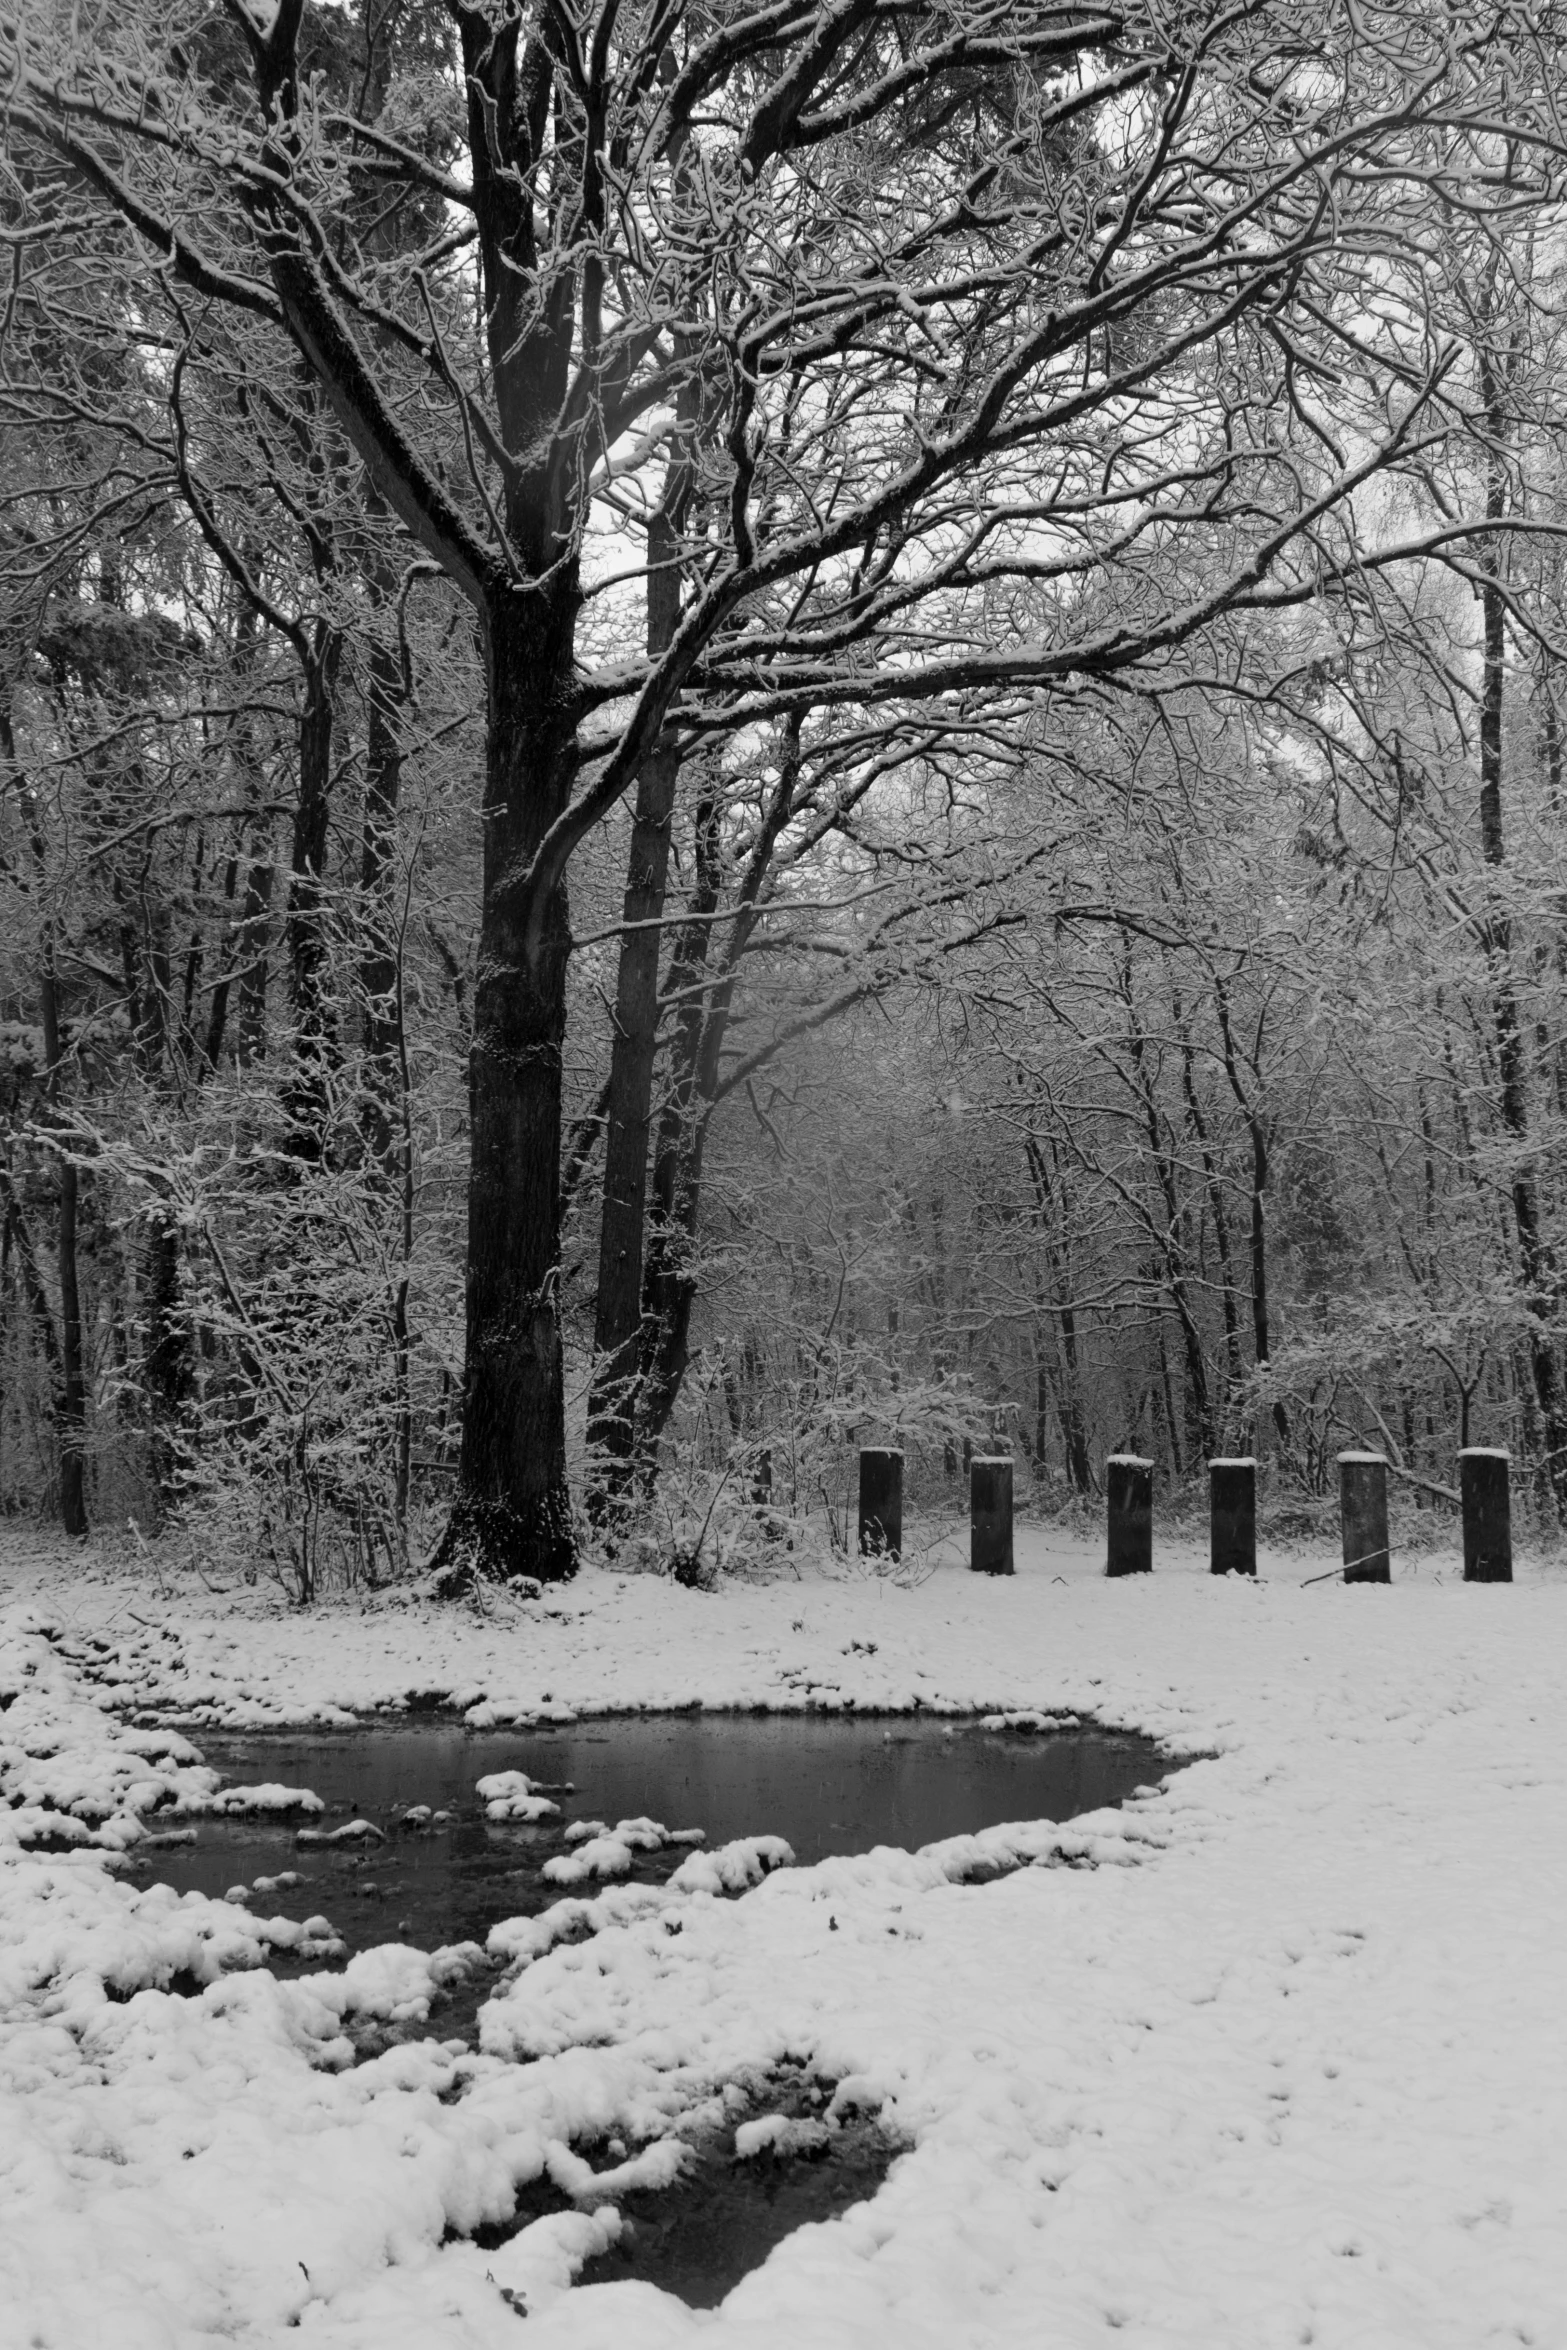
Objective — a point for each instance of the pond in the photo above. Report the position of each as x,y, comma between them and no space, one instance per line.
438,1868
825,1784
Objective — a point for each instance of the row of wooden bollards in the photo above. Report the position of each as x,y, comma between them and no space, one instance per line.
1232,1513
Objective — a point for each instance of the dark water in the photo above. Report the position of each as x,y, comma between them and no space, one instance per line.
701,2236
825,1784
723,2216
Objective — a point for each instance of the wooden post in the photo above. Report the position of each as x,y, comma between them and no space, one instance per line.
990,1514
762,1478
1129,1512
1487,1507
1362,1497
1232,1517
881,1502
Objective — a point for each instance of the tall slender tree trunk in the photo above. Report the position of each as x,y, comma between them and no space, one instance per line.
1261,1336
696,1058
1168,1237
71,1395
1257,1238
246,953
1535,1255
669,1287
379,995
1221,1222
306,1096
612,1399
166,1367
65,1359
1047,1200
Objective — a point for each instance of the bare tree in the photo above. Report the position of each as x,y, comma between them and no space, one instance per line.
932,399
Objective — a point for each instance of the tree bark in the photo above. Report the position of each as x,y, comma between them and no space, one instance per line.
513,1514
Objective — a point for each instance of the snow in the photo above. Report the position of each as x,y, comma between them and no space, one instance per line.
780,2134
1271,2056
608,1852
512,1795
745,1861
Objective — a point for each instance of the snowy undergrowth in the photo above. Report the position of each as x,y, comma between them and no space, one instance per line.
1277,2061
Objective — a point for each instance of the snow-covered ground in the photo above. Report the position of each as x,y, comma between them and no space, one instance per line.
1281,2060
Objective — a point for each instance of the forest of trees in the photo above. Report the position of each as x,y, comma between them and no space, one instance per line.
734,725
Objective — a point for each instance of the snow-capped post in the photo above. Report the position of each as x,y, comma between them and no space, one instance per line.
1232,1517
762,1478
1129,1512
1487,1508
1362,1489
881,1502
990,1514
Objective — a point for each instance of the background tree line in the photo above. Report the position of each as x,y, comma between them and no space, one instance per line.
1010,555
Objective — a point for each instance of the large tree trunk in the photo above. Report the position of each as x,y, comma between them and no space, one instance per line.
513,1514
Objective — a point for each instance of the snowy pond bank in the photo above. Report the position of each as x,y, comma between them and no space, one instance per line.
1272,2056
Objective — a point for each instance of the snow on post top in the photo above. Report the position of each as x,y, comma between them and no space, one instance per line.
1484,1452
991,1460
1364,1456
1239,1460
1126,1460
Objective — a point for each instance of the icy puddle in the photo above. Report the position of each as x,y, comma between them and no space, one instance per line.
431,1866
